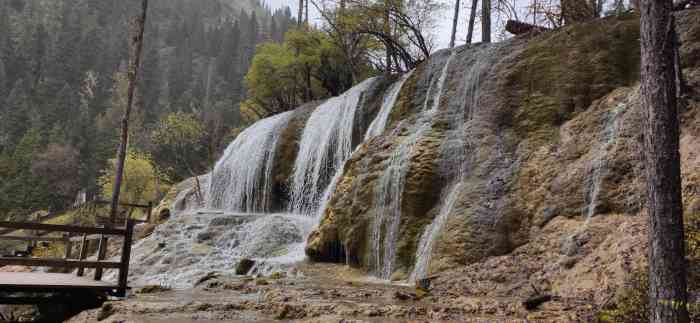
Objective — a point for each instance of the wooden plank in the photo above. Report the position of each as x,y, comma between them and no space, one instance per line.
50,281
61,228
89,237
46,239
140,206
62,263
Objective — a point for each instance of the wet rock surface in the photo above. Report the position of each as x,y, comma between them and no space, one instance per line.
325,293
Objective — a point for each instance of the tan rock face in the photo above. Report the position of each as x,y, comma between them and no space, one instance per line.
554,176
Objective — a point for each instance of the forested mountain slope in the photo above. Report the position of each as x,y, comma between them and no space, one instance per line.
63,84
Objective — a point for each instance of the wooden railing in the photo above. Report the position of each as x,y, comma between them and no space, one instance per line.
82,235
51,215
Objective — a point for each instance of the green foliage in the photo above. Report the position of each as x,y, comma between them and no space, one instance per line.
632,302
306,66
139,183
178,145
271,81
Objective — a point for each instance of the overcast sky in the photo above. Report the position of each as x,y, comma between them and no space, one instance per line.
444,19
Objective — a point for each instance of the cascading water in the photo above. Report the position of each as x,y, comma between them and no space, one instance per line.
390,189
388,198
427,241
441,83
600,167
233,224
325,145
454,151
375,129
609,136
378,126
241,180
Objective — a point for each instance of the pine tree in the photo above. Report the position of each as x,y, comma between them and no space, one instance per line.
16,117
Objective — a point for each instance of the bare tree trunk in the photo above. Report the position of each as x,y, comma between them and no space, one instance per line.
455,20
300,17
136,47
486,21
472,20
306,18
667,266
534,12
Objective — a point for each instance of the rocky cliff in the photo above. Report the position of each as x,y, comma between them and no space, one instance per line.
529,172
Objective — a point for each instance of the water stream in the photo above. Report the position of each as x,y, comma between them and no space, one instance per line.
325,145
242,178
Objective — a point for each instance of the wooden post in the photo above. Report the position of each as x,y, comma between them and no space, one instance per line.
83,254
126,255
150,211
101,254
69,246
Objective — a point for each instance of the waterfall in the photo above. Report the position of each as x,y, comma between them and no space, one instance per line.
609,136
427,240
375,129
388,198
325,145
440,86
454,155
600,168
390,189
242,178
378,126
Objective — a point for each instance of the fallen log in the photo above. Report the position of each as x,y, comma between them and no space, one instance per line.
518,28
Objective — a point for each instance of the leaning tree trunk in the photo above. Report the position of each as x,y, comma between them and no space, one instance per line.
486,21
135,47
455,20
667,265
472,19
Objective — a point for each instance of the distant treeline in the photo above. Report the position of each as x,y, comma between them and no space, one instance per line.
63,88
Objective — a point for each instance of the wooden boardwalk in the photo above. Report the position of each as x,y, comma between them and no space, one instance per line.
13,285
48,282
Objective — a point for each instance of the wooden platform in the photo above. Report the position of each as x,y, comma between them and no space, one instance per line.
50,282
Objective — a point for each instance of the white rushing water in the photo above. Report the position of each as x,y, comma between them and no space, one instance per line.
193,244
325,145
378,126
242,178
434,98
391,185
454,152
429,237
388,200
